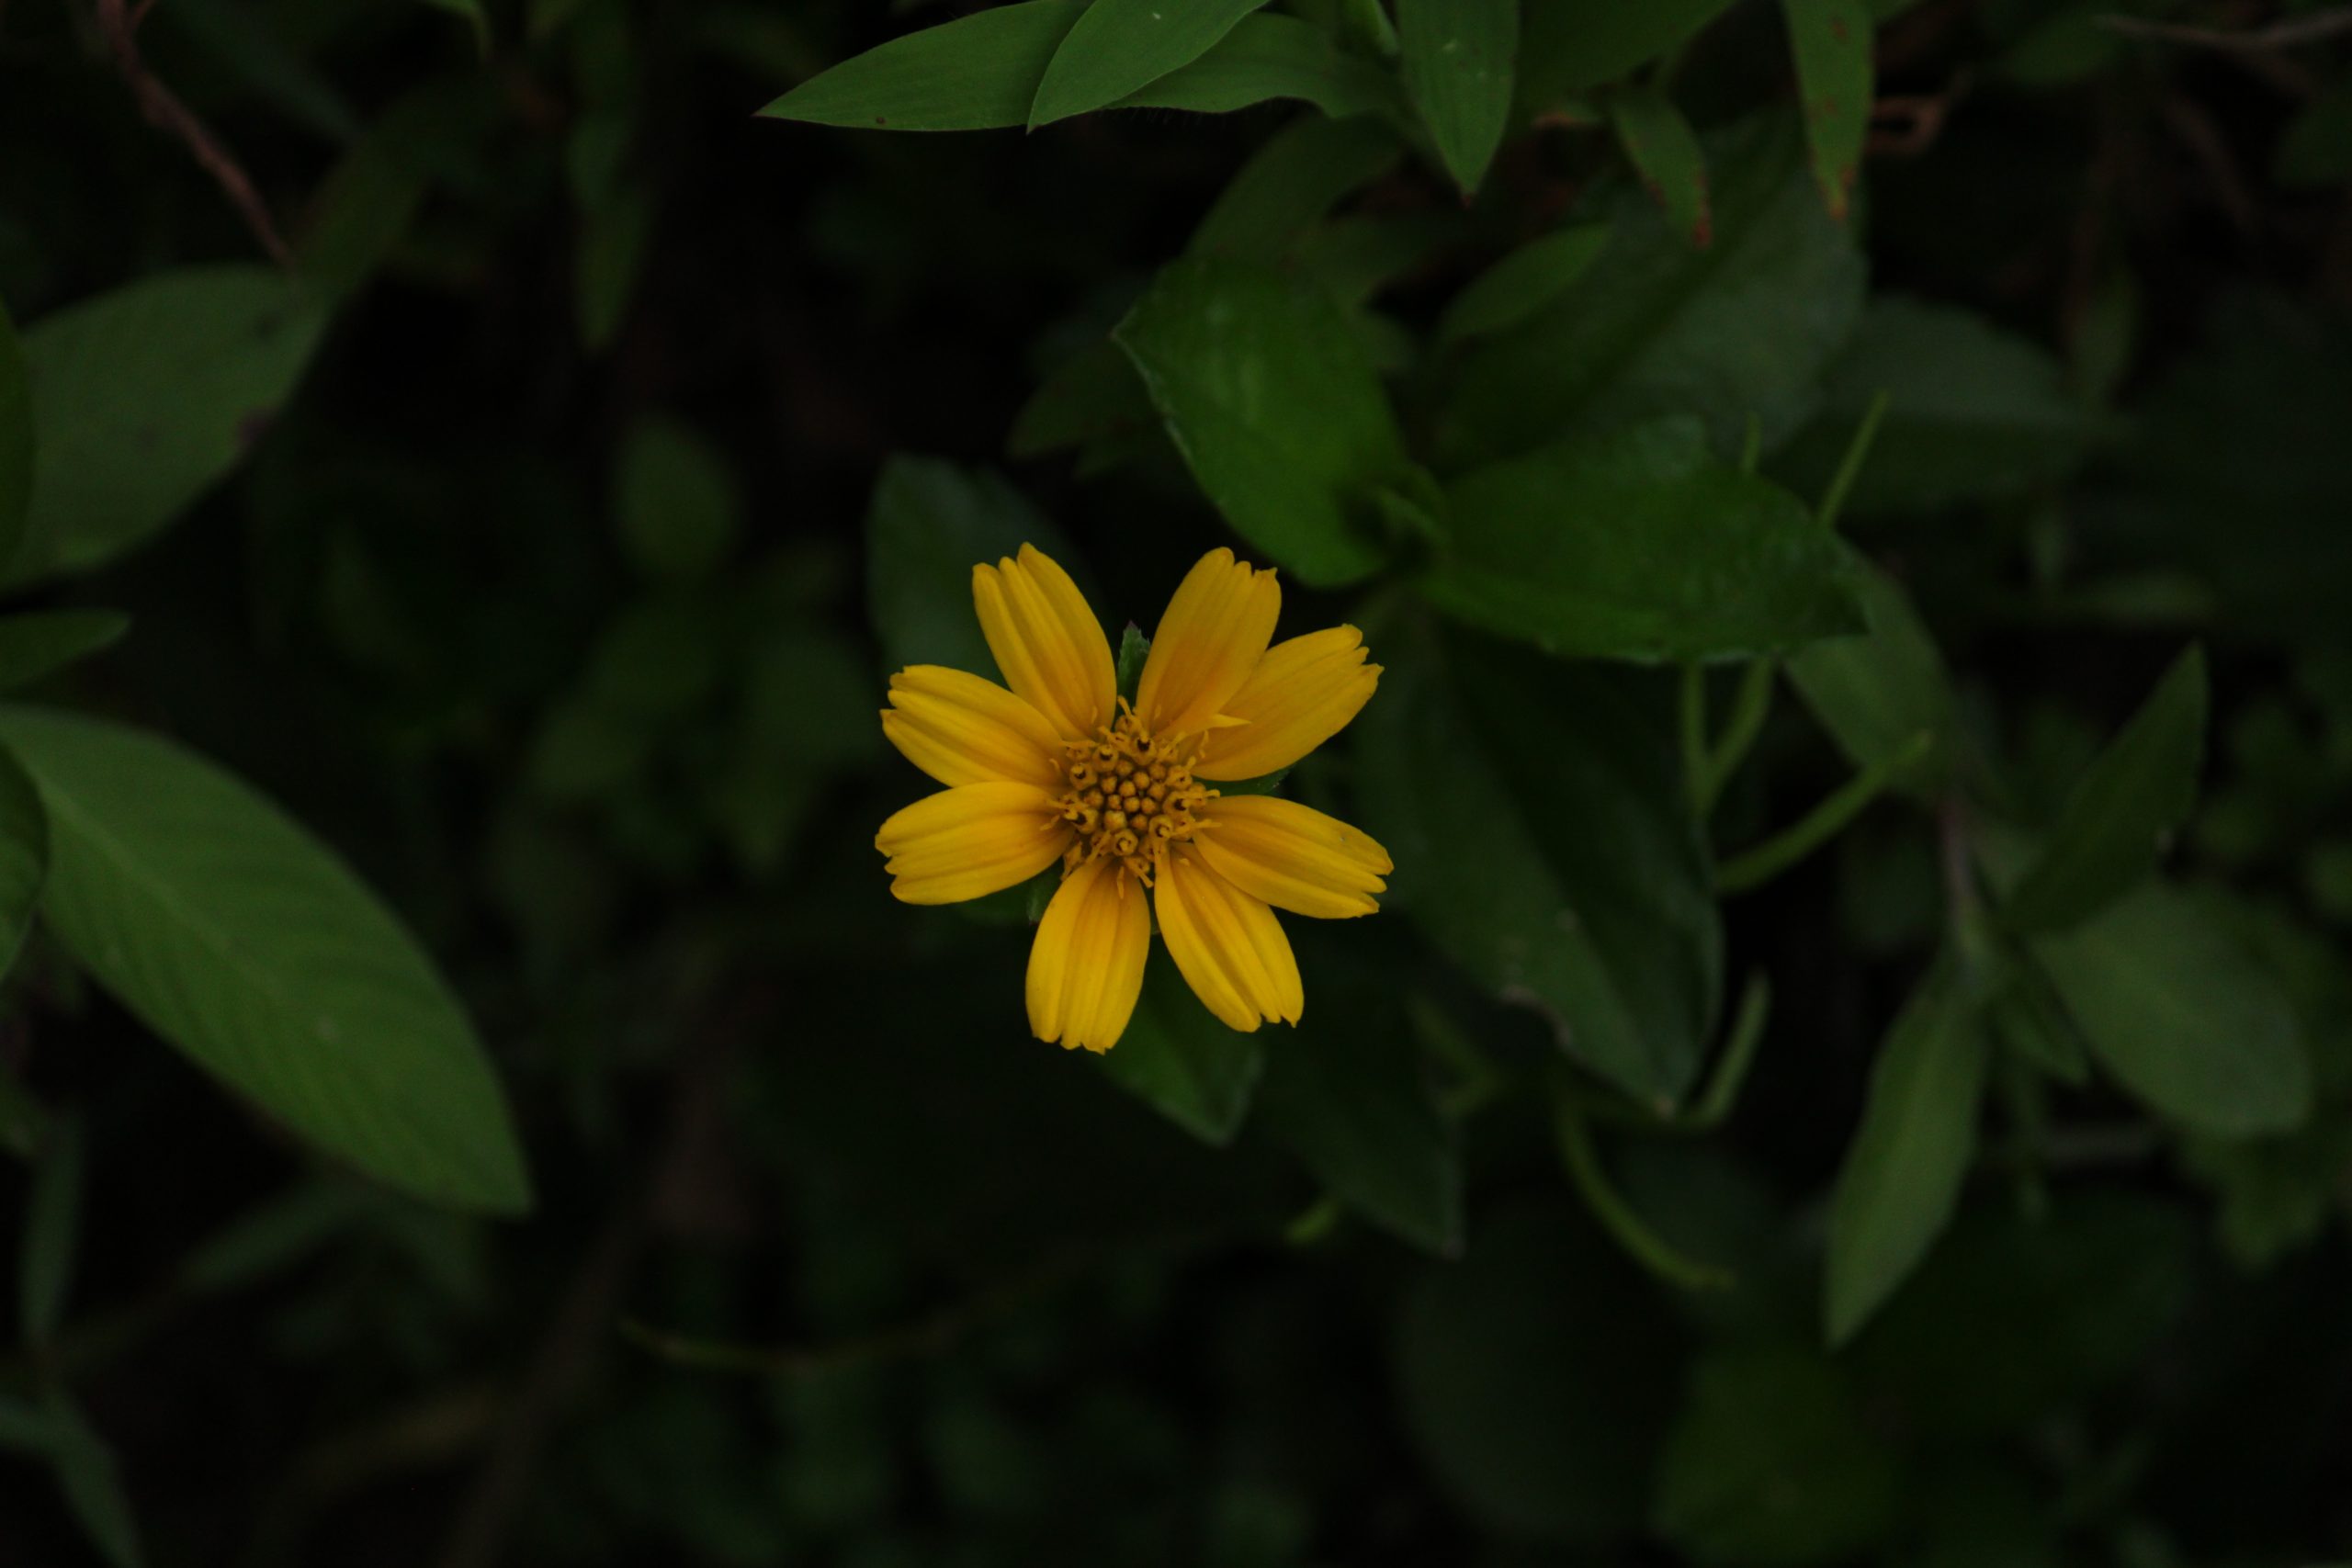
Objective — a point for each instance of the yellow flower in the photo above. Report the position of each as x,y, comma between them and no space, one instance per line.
1061,768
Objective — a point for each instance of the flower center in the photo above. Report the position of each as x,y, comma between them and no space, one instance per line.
1128,796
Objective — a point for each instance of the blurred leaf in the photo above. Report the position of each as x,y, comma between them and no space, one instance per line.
1179,1059
15,439
607,263
1574,46
2016,1312
1521,283
1457,59
93,1486
1877,693
1639,544
249,44
1535,1376
1271,56
2180,1016
1290,183
1770,1464
36,643
929,524
245,942
52,1238
1094,395
1267,394
976,72
1355,258
1134,649
2139,789
1665,151
1832,41
369,200
2317,148
1536,822
1345,1090
24,857
272,1234
143,398
469,11
1738,330
675,501
1119,46
1901,1175
806,717
1974,414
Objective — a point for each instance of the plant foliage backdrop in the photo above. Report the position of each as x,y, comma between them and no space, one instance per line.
1849,501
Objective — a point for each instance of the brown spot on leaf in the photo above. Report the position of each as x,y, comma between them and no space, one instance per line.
253,426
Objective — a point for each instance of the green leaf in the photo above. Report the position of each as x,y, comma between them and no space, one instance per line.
1534,813
24,856
1290,183
15,439
1772,1464
1266,391
1903,1172
1134,650
607,262
86,1474
1536,1377
929,524
1974,414
143,398
53,1237
1832,42
1177,1057
2316,149
1738,329
977,73
1878,693
1345,1090
1457,59
369,200
2139,789
472,13
1640,545
1521,283
675,501
1573,46
1094,395
1267,57
2019,1311
1119,46
246,944
2180,1017
1665,151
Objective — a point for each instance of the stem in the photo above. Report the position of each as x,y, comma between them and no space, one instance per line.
1849,468
1748,711
1642,1244
1758,866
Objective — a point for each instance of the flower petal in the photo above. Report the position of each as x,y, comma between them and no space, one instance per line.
1086,965
961,728
1046,641
1227,944
1213,636
1293,856
971,840
1303,692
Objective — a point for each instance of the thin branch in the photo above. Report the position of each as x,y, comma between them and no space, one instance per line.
2295,31
166,113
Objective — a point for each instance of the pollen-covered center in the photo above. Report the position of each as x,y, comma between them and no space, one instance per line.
1129,795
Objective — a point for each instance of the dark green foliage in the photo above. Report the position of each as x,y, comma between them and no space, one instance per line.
1848,500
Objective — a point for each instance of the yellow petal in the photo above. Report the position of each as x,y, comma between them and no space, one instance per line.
963,729
1046,641
1086,966
1213,636
1229,946
1293,856
971,840
1303,692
